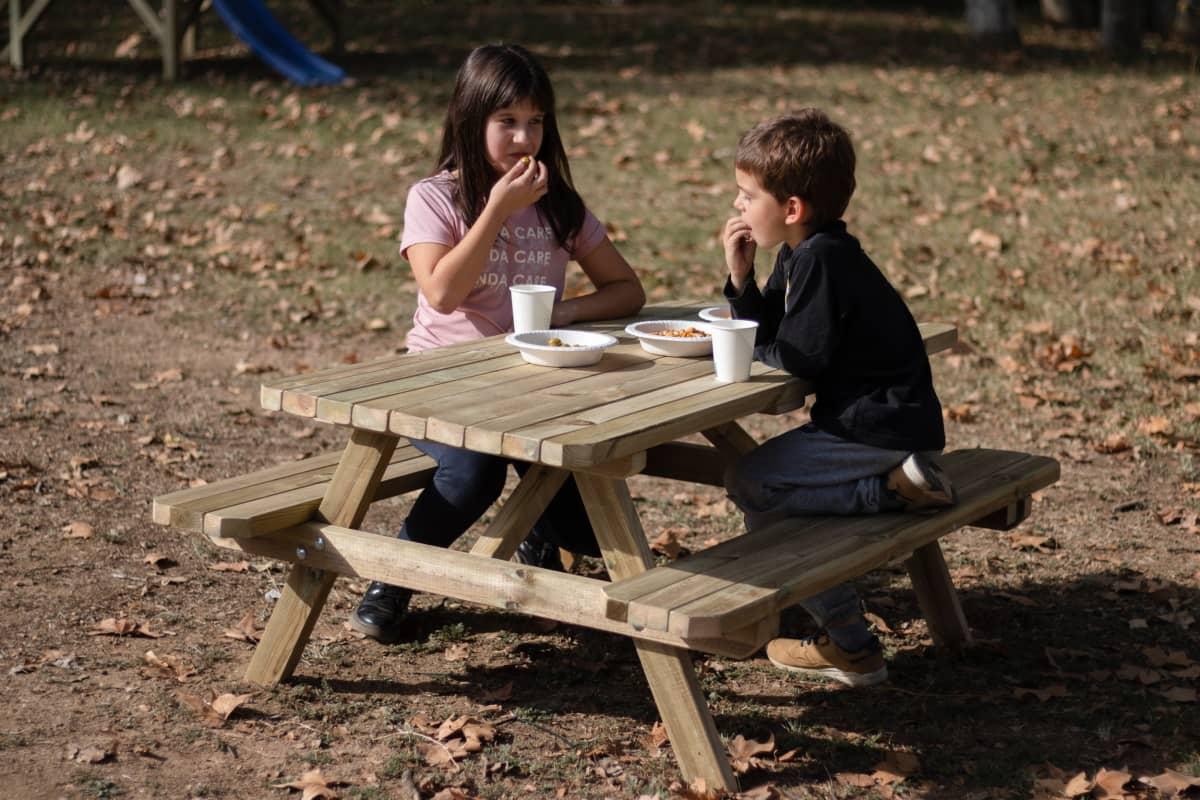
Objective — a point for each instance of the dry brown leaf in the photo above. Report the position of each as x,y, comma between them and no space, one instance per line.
1180,694
766,791
1171,783
168,667
743,752
123,627
1078,786
1110,784
91,754
78,530
314,784
658,737
696,790
158,560
1155,426
1113,443
1031,541
213,709
457,652
245,630
667,542
230,566
896,766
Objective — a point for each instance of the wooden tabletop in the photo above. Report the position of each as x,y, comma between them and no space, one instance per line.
483,396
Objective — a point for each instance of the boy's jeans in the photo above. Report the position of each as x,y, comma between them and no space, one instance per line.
808,471
465,484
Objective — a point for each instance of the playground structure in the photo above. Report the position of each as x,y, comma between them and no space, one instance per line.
175,27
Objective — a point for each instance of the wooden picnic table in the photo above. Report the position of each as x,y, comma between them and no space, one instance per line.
602,423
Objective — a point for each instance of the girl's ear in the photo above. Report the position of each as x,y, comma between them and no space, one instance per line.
796,211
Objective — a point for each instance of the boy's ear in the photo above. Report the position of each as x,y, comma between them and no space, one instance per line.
796,211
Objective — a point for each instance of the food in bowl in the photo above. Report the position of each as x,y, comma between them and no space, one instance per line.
672,337
561,348
682,333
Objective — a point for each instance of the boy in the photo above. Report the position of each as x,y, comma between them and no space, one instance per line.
829,315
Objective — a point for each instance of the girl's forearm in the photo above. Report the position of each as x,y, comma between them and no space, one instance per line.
611,301
457,272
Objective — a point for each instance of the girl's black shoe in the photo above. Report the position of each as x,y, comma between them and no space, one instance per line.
381,611
537,552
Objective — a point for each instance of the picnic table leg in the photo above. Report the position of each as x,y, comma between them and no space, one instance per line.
668,669
937,597
518,514
731,439
347,499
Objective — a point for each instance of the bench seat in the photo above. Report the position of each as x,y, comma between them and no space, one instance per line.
272,499
752,577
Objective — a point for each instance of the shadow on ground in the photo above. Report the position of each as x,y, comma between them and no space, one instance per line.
1077,675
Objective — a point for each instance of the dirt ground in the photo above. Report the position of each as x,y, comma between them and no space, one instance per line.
1086,654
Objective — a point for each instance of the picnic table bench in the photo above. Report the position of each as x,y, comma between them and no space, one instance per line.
601,424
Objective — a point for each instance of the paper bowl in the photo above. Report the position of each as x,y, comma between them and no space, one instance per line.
716,313
648,333
578,348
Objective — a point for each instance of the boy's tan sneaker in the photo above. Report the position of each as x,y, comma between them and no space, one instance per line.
819,657
921,484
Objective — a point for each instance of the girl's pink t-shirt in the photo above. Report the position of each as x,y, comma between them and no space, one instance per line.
526,251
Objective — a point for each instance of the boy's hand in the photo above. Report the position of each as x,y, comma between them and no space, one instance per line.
520,187
739,251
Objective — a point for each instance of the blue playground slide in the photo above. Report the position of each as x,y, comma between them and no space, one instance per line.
251,22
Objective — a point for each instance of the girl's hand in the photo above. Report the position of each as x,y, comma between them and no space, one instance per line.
520,187
740,249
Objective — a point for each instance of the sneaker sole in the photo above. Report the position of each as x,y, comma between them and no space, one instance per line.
855,680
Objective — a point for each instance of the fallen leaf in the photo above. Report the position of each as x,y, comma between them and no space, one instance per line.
1171,783
90,754
230,566
314,785
1180,694
658,737
168,667
123,627
78,530
245,630
743,752
1110,784
214,709
158,560
128,177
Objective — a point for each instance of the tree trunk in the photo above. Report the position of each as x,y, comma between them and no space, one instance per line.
1071,13
993,23
1121,27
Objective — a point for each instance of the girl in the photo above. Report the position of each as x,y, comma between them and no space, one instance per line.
499,210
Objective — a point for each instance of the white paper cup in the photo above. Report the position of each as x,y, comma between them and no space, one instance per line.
733,348
532,305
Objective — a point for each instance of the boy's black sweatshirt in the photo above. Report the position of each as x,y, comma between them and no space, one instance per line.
828,314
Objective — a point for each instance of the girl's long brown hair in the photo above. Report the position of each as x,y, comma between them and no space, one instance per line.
495,76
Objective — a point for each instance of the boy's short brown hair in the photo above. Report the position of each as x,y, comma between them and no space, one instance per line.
805,155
